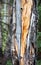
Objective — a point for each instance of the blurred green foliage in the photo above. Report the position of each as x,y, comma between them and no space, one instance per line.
4,36
39,39
9,62
39,62
39,21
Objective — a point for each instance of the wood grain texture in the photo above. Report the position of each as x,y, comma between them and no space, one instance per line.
26,14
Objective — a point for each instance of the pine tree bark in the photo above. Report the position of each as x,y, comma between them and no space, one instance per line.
22,31
24,35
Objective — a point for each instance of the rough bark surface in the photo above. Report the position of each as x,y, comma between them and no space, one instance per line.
23,28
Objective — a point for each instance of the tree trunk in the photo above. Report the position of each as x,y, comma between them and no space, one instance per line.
23,28
24,32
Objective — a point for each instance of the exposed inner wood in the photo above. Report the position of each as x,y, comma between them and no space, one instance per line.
16,46
26,13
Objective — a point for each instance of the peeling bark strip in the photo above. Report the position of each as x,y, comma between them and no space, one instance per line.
26,13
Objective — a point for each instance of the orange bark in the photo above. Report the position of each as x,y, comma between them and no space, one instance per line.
26,13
